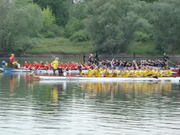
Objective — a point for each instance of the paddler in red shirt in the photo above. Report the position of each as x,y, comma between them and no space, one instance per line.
42,65
27,65
48,66
35,65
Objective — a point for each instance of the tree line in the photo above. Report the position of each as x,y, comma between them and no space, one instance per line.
111,25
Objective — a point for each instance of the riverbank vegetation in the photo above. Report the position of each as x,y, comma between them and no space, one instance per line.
147,27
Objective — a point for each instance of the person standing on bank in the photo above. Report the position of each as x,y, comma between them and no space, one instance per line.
55,67
12,60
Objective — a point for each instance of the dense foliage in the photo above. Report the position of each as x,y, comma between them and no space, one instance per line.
20,22
111,25
58,7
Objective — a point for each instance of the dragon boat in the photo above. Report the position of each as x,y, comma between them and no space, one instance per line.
175,72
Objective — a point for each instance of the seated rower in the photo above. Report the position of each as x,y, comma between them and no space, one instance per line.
114,72
130,72
157,72
35,65
147,71
143,72
97,71
107,72
26,65
136,73
102,71
167,72
124,72
90,72
47,66
150,72
42,66
81,73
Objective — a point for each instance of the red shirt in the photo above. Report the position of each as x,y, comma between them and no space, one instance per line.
36,65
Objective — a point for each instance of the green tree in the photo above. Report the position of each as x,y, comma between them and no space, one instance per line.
58,7
49,22
167,35
111,24
72,26
20,23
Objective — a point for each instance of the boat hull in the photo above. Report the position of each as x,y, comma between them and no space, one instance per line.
37,71
109,79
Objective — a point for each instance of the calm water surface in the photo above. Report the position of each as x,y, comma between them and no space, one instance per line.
32,107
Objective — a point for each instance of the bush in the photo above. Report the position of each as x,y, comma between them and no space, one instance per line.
79,36
141,36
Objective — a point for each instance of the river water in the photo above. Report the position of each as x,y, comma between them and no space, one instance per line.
32,107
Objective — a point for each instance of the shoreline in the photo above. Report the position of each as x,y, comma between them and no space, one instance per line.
116,56
101,56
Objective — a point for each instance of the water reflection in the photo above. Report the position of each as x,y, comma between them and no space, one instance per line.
124,90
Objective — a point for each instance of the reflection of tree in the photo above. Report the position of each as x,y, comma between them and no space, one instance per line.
124,90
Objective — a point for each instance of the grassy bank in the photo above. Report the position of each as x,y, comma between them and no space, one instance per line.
61,46
143,48
64,46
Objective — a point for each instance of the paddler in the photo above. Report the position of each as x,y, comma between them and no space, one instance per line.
130,72
167,72
107,72
97,71
81,73
103,71
114,72
4,64
90,72
150,72
157,73
124,72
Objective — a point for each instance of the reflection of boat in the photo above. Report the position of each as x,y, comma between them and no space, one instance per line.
108,79
128,89
36,71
